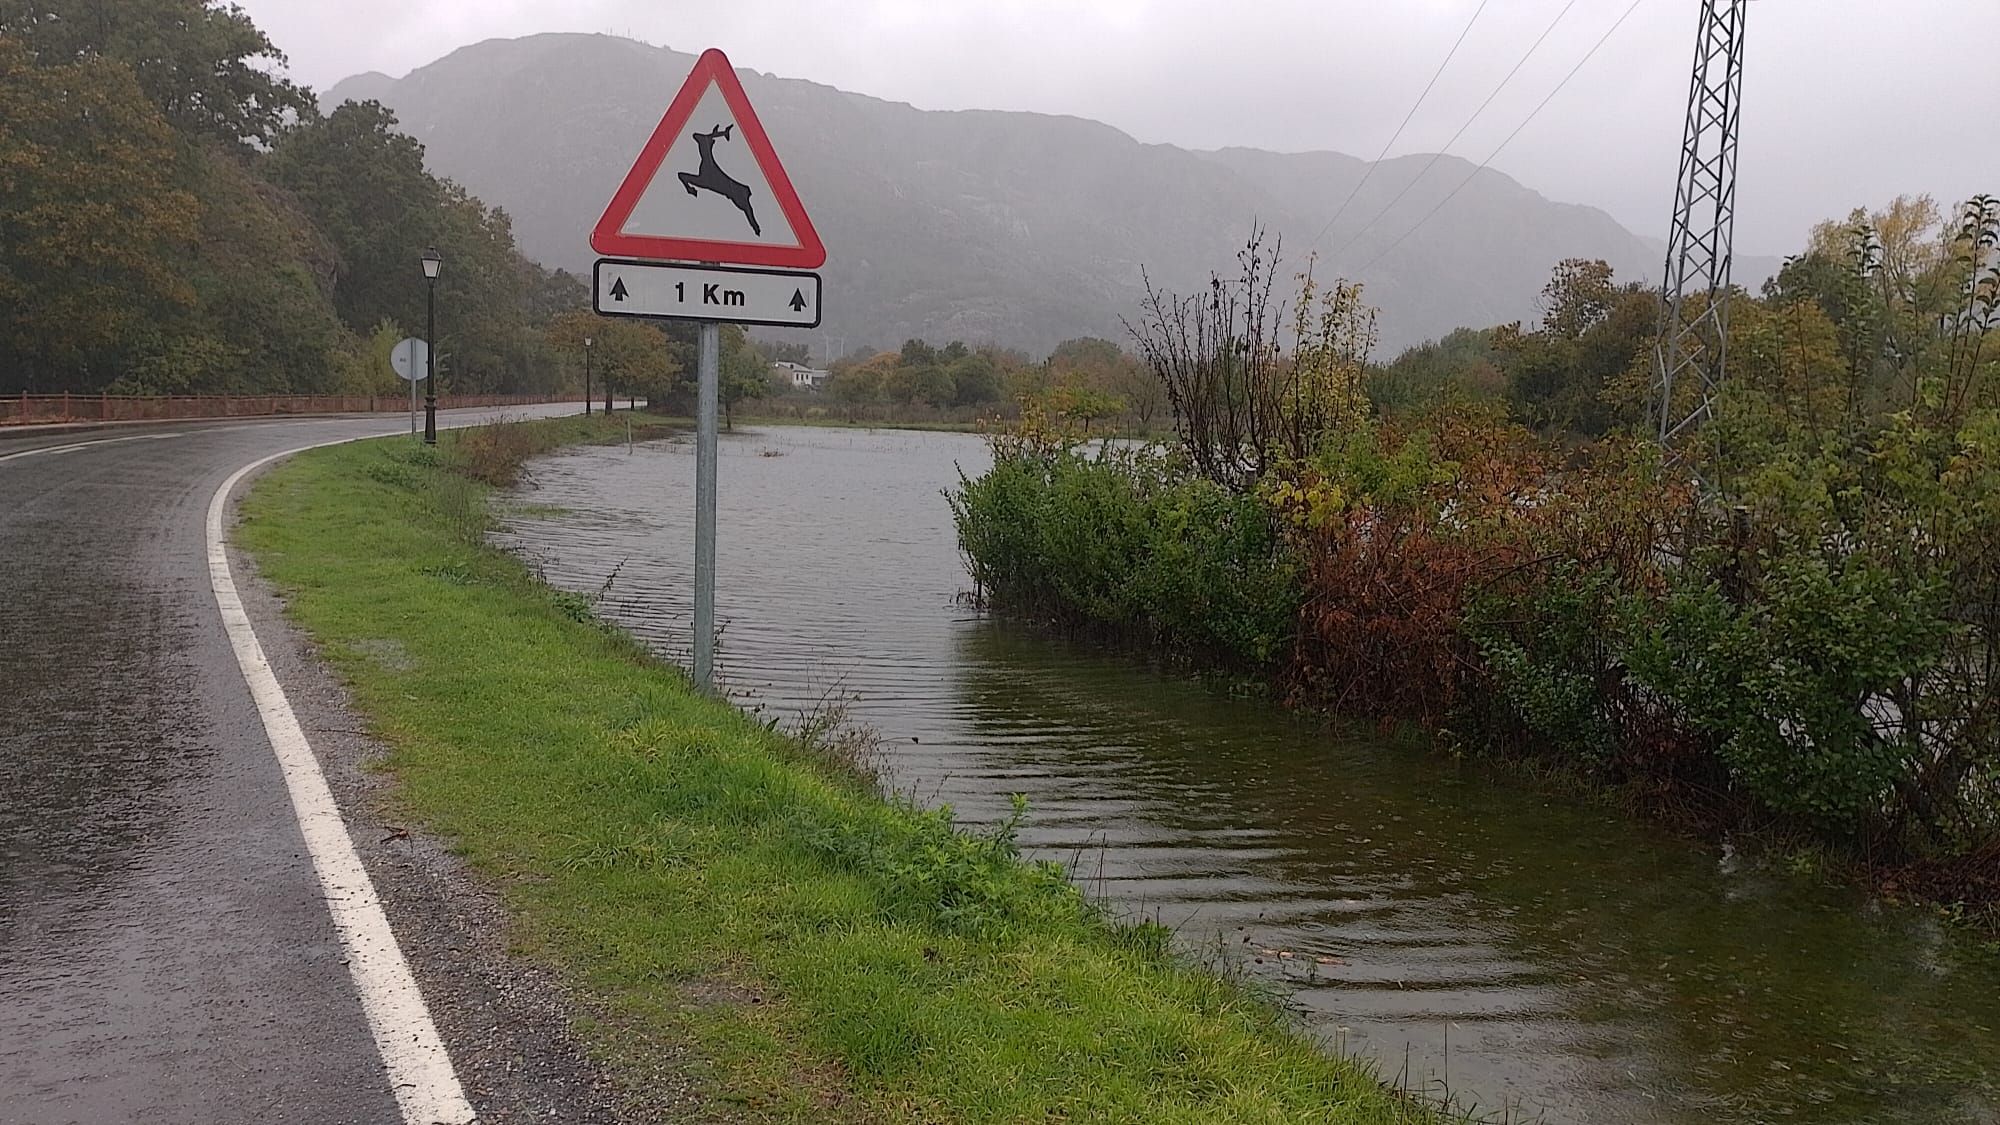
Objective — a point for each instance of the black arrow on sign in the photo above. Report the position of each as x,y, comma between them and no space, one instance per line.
618,290
798,300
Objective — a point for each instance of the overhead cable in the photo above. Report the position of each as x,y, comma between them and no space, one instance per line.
1588,55
1440,153
1368,172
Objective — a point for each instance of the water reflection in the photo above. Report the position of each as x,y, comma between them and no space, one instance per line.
1525,949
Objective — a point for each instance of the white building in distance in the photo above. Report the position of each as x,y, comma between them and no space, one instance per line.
803,378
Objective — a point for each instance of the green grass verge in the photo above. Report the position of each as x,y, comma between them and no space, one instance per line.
818,953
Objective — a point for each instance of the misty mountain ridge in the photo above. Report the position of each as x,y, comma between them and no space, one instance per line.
990,226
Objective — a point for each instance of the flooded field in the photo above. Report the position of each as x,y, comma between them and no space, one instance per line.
1523,949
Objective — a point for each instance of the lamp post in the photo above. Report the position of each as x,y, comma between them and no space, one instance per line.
431,264
586,376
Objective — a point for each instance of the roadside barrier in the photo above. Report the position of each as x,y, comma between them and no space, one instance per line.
24,409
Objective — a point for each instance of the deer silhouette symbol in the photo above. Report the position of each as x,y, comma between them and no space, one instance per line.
711,176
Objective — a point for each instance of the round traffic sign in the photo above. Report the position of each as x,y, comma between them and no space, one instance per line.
411,359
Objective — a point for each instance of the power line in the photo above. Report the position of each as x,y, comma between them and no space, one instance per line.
1588,55
1397,135
1440,153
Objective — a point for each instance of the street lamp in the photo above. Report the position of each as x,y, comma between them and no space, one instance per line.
586,376
431,263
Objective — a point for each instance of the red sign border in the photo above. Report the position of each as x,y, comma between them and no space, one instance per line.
606,238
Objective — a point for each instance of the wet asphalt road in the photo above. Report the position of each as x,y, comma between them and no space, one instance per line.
165,955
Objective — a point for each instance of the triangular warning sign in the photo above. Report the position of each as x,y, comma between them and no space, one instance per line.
708,187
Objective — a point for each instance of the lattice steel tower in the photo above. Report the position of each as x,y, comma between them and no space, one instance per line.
1694,317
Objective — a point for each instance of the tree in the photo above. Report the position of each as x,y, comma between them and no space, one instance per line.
564,334
1219,355
1914,298
1461,367
483,299
1332,334
1577,298
860,384
263,281
364,184
552,294
635,359
1085,355
97,229
176,216
744,373
566,331
907,384
1021,382
1789,379
207,68
1144,396
1560,377
1108,368
1083,404
975,380
916,353
919,373
370,370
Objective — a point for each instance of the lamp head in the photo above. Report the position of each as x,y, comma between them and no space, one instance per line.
431,263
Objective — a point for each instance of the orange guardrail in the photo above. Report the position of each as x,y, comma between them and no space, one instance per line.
25,409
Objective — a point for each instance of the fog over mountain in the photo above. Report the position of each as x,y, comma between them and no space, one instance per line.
1013,228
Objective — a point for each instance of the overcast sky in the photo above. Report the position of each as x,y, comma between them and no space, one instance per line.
1847,102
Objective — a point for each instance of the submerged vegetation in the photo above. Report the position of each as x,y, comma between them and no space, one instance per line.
810,950
1793,621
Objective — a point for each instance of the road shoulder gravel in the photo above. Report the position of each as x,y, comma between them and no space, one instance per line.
509,1022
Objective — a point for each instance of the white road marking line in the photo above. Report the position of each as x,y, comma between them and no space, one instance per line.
239,426
420,1070
74,446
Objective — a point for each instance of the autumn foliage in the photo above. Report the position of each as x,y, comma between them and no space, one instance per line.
1794,620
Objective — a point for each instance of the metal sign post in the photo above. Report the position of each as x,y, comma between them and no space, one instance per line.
709,381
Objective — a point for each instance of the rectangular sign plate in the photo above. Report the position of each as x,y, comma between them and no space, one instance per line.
735,294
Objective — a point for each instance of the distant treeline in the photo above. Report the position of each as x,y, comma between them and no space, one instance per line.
1876,297
1089,380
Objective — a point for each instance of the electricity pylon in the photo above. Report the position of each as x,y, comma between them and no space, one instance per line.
1693,342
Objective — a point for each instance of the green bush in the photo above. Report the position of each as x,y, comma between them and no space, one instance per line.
1800,688
1127,540
1552,662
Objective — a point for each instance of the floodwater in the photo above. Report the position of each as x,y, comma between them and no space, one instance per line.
1526,951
